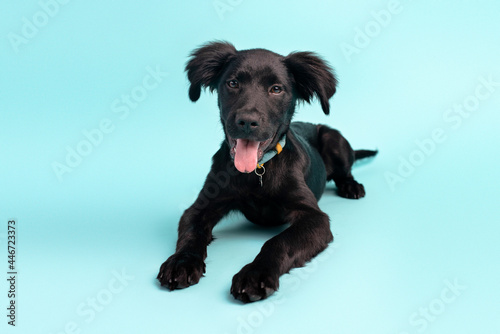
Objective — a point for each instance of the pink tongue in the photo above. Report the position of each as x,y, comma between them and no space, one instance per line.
245,158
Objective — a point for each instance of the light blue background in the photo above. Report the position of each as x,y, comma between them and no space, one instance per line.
395,251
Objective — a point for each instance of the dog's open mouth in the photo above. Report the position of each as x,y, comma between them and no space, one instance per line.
246,153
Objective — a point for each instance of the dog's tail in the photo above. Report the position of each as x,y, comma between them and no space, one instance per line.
361,154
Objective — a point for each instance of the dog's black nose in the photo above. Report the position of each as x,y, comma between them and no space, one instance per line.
247,123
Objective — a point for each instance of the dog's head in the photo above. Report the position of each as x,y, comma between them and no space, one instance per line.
258,90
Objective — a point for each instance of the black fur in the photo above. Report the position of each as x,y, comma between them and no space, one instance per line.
257,94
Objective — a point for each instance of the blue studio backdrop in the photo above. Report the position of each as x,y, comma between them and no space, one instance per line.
101,151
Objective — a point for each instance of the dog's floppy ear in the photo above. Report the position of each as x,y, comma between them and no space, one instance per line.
205,66
313,76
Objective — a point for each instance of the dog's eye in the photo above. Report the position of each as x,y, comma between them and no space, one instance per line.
233,84
276,89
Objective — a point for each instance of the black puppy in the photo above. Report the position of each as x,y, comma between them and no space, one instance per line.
281,167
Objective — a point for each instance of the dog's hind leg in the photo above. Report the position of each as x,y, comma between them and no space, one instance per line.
339,157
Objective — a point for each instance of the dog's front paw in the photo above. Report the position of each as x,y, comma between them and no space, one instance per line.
351,189
181,270
254,283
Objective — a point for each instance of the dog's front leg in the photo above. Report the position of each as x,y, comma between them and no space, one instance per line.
186,266
308,234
